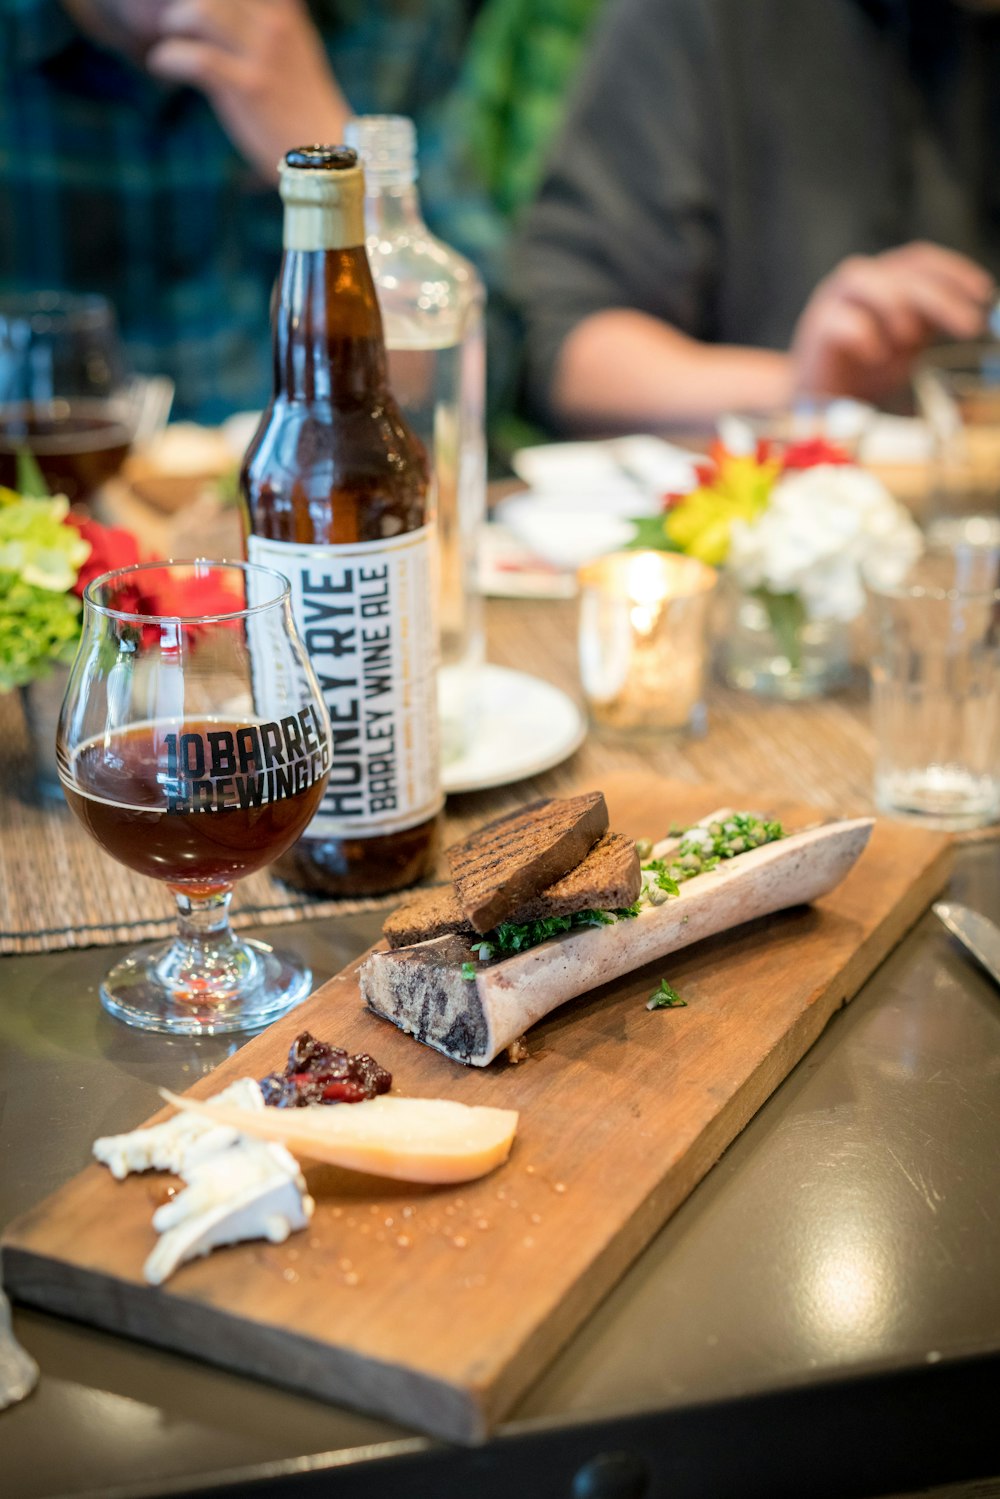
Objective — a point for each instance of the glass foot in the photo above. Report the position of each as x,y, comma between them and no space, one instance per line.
239,985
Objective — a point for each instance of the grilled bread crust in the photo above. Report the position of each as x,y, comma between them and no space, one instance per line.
503,865
426,914
608,880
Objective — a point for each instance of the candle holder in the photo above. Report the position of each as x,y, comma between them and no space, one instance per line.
644,641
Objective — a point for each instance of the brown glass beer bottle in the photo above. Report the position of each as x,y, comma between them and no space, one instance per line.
335,487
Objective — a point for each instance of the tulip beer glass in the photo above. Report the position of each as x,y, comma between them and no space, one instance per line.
194,746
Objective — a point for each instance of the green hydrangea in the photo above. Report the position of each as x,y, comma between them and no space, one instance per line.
40,557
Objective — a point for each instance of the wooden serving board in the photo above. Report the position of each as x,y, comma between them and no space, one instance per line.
438,1306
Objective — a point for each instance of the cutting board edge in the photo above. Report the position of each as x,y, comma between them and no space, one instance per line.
399,1393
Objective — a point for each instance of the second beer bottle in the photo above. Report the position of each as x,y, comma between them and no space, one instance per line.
335,487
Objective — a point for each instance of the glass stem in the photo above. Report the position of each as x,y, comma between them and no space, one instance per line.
206,961
203,918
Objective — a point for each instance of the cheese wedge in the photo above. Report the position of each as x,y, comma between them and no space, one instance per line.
431,1140
247,1190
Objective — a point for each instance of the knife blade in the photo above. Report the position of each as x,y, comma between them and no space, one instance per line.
976,931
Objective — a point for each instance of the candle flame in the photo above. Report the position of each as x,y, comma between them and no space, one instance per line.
647,582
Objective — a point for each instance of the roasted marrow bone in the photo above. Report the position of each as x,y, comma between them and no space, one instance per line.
424,990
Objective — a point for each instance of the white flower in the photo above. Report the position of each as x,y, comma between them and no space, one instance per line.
821,527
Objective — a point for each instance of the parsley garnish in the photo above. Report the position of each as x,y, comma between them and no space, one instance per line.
469,971
665,998
517,936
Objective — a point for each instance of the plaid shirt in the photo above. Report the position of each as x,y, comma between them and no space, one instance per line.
112,182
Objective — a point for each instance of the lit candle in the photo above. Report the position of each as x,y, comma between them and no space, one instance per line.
644,639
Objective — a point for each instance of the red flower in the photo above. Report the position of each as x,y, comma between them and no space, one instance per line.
197,597
811,451
110,548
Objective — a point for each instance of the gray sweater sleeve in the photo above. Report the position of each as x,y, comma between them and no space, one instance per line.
627,213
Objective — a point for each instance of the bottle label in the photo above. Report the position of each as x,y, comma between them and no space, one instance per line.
365,612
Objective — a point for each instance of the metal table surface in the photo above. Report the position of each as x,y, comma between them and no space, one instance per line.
821,1317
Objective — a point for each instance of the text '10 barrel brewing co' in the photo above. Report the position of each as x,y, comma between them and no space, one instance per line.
336,492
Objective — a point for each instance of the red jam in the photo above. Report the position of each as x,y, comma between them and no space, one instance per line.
317,1072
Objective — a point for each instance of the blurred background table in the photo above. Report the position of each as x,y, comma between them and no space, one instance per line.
822,1317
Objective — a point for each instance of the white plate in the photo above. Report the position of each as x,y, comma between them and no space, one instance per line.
615,473
561,536
525,726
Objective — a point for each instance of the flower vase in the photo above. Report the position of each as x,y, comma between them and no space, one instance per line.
768,645
41,701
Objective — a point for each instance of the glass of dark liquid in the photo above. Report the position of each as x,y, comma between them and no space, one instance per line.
194,746
65,394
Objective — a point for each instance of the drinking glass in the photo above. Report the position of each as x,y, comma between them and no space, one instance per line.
810,422
643,641
958,388
65,395
936,686
194,746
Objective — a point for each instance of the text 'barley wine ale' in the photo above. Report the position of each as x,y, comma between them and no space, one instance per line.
336,492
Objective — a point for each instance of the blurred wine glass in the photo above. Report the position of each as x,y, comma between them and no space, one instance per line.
66,395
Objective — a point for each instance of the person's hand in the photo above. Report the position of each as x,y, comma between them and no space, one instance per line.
868,320
262,65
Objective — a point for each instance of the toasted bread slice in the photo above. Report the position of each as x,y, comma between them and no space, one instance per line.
501,867
608,880
426,914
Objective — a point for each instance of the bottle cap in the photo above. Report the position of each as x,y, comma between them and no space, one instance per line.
322,188
387,144
322,158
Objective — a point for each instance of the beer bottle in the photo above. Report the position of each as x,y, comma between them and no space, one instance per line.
335,487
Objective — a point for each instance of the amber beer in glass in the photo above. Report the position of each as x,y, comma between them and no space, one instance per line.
193,746
335,488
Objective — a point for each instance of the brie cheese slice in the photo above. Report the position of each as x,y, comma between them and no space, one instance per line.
178,1141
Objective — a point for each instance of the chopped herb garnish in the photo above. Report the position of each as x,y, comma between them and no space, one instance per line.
702,848
665,998
469,971
660,871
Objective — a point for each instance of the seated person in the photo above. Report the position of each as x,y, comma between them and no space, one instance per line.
139,142
754,200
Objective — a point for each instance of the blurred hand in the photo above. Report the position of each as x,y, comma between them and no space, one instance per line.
870,318
262,65
130,26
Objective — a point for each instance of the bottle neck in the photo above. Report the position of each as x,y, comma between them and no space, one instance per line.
328,339
392,205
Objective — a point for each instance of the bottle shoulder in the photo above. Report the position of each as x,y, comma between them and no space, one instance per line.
420,261
306,463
